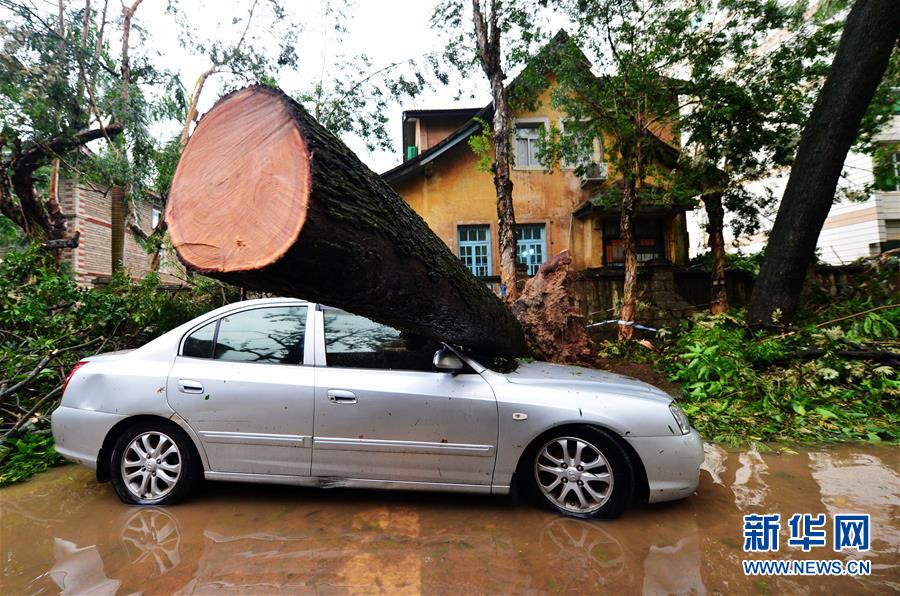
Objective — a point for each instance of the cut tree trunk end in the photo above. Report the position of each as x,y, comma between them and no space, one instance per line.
550,314
718,299
265,198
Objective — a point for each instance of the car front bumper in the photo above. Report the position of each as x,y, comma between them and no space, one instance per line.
672,464
79,434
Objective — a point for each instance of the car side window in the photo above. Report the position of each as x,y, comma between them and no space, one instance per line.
262,335
352,341
199,344
269,335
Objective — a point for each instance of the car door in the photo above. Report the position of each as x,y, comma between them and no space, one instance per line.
384,413
243,384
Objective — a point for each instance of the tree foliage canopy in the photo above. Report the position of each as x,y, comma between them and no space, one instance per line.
93,65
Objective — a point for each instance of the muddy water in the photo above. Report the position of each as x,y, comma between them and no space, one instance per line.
62,532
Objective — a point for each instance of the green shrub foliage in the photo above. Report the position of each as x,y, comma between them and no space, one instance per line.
740,389
48,323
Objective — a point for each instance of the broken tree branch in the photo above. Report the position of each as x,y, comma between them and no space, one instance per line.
21,422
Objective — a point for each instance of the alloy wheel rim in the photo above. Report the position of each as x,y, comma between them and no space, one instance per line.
151,465
151,536
573,474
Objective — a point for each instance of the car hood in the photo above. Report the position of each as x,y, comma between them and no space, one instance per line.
577,377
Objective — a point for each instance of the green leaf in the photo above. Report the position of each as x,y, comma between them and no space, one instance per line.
825,413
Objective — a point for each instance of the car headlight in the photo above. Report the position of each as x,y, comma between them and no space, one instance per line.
680,418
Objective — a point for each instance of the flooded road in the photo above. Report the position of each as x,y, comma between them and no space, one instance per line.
62,532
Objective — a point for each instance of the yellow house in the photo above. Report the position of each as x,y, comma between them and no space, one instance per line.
555,211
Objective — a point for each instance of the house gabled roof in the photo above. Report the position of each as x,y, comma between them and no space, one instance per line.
462,133
438,112
473,126
597,205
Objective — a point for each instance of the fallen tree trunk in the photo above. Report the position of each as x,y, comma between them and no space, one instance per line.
265,198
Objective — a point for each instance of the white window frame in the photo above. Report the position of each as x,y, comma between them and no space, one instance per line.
473,245
895,164
597,155
155,215
530,123
533,264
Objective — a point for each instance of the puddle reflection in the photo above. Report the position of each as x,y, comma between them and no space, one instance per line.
62,533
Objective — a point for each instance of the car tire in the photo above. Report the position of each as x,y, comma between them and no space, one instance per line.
581,472
154,463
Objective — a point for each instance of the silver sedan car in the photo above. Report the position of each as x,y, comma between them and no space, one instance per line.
290,392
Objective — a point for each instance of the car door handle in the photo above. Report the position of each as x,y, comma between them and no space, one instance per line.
339,396
188,386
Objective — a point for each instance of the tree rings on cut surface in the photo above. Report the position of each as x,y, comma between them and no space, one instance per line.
240,193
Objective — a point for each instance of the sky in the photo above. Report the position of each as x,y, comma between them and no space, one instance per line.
386,30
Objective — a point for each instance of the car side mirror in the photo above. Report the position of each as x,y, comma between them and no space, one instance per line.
446,360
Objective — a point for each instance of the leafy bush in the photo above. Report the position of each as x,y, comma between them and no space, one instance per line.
800,388
48,323
21,459
749,263
832,378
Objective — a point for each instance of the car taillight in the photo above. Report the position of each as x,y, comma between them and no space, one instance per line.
72,374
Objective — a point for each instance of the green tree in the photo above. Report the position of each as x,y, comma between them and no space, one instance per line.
626,97
863,56
747,81
694,99
56,96
500,37
81,74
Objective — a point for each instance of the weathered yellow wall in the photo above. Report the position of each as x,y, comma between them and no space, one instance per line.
433,131
450,192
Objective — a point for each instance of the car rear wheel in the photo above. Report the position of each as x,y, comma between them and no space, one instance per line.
583,473
153,464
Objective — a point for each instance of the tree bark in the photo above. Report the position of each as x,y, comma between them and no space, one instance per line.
192,106
718,297
629,288
869,37
267,199
487,35
41,220
127,16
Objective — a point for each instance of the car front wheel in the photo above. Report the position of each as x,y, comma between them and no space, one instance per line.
153,464
585,473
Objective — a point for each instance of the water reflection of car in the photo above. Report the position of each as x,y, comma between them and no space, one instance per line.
285,391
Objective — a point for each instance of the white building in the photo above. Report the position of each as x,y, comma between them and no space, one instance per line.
853,229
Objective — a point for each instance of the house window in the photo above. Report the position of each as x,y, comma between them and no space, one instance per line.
155,216
527,136
475,248
648,235
583,149
532,246
895,168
